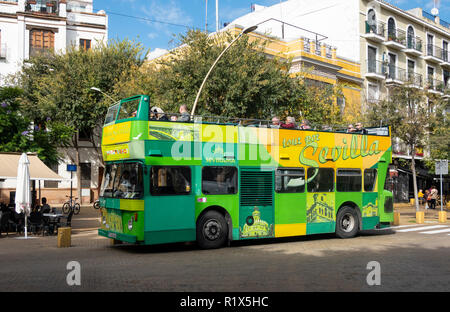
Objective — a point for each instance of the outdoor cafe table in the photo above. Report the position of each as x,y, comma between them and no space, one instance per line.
53,217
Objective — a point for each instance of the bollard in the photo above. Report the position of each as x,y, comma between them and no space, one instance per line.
420,217
411,201
442,216
396,218
64,237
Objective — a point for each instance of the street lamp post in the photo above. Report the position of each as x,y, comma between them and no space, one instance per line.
245,31
98,90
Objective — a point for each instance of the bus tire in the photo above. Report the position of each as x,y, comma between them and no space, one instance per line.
212,230
347,222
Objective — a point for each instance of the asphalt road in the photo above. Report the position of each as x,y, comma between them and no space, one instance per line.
408,261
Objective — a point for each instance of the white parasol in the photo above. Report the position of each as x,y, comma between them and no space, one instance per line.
23,193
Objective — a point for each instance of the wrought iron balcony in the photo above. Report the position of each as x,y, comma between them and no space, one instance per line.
396,74
40,51
396,38
414,79
435,85
42,6
377,69
436,53
413,45
375,31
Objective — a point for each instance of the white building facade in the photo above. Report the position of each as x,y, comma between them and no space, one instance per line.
28,27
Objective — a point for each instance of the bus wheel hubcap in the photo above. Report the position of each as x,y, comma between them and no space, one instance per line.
348,222
212,230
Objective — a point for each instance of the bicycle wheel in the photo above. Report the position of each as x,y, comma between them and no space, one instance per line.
66,208
76,208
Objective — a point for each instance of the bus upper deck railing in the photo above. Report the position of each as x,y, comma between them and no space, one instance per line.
262,123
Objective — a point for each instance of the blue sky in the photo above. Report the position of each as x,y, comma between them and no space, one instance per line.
192,13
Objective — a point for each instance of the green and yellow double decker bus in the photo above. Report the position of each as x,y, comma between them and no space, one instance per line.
216,182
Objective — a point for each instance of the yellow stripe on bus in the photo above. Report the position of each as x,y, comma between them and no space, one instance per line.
286,230
132,205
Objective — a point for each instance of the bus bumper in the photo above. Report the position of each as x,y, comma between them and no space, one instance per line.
118,236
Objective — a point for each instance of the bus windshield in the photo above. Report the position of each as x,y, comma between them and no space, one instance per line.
112,114
123,180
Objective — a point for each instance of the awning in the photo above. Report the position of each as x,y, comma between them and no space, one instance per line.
38,170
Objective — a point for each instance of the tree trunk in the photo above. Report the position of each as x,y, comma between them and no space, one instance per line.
413,169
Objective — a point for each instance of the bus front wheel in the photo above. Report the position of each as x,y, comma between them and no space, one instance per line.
212,230
347,222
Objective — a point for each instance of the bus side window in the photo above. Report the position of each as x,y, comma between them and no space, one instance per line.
170,180
348,180
370,179
219,180
290,180
320,180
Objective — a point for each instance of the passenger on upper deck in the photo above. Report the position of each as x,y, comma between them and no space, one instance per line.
275,123
360,128
158,114
350,129
185,117
305,124
290,123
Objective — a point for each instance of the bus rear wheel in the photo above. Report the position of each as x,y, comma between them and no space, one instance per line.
212,230
347,222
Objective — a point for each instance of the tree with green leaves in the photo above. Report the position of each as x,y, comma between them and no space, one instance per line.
246,83
58,86
19,134
414,116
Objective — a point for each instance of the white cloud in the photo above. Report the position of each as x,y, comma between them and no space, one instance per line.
156,53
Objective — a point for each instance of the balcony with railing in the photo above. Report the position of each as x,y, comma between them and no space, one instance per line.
42,6
435,54
376,70
413,46
375,31
435,86
396,38
396,75
414,79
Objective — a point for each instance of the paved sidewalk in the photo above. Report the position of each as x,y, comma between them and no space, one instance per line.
408,213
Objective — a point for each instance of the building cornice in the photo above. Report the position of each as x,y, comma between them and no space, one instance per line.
42,16
8,15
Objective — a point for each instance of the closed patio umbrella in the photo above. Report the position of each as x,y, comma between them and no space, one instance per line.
23,193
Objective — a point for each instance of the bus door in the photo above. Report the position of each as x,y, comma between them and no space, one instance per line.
170,213
290,202
256,210
370,202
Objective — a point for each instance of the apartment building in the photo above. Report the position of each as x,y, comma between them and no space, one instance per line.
30,27
400,46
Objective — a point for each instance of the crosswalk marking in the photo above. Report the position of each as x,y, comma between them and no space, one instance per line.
436,231
424,228
400,226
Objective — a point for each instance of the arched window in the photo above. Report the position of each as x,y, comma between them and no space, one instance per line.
391,29
372,20
411,38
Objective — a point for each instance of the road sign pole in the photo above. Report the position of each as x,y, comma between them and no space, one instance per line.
442,195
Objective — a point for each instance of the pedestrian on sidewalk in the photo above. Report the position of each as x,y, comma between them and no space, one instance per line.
434,196
427,199
420,196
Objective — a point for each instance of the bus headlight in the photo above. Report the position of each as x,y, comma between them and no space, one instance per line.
130,224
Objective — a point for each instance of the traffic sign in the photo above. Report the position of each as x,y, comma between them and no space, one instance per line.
441,167
71,168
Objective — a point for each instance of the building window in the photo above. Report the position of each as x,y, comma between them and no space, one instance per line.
290,180
85,44
411,38
85,169
85,134
219,180
430,45
372,94
52,184
392,34
41,41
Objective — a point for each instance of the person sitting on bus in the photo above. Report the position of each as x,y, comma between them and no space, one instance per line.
124,185
360,129
350,129
275,123
158,114
290,123
185,117
305,125
173,118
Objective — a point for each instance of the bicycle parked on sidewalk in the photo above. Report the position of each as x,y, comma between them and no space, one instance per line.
71,204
